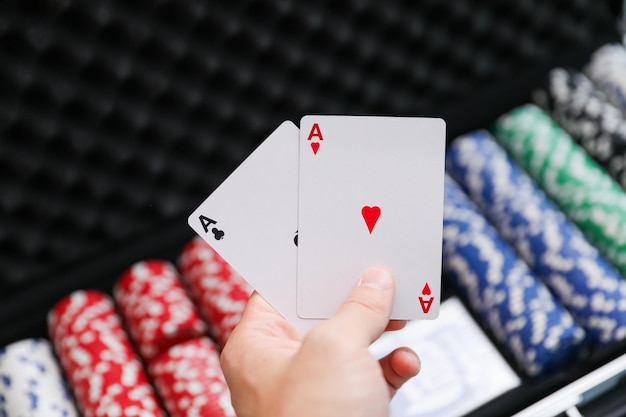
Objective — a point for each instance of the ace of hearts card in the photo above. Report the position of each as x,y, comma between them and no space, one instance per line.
370,194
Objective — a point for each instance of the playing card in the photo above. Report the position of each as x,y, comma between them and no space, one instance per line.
251,221
370,194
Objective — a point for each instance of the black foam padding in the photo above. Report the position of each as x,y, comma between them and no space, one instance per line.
117,118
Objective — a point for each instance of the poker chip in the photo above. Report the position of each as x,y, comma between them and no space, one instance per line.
189,378
220,292
31,383
592,121
156,307
533,328
554,249
574,181
106,377
607,69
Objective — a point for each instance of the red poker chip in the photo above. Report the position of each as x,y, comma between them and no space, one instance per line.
189,378
156,307
106,377
221,293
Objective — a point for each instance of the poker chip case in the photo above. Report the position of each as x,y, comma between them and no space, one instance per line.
118,118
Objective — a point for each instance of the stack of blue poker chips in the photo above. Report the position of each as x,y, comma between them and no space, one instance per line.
585,113
536,330
31,383
554,249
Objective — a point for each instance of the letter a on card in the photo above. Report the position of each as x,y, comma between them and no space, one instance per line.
315,133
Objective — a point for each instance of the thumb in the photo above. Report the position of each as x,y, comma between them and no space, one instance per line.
365,313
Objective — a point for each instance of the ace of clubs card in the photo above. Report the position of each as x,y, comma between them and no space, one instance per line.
250,220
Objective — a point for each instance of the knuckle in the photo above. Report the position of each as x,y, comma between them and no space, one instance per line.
368,301
227,361
324,336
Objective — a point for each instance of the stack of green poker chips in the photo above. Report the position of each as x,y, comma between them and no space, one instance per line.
574,181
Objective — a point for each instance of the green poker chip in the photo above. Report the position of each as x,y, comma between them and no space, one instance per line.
574,181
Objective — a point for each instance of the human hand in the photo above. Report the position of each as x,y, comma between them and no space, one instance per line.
272,371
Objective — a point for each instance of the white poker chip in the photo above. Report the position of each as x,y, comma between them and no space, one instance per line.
31,383
607,69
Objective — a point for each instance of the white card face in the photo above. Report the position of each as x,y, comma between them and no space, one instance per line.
251,221
370,194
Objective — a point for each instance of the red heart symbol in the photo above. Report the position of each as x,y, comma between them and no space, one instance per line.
315,146
370,215
426,289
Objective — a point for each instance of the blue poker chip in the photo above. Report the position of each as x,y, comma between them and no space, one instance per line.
31,383
553,247
532,326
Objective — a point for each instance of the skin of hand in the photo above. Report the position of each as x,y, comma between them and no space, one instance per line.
272,371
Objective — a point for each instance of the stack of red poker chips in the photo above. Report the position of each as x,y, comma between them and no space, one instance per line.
105,375
221,293
189,378
156,307
184,365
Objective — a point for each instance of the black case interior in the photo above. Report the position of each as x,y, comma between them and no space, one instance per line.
118,118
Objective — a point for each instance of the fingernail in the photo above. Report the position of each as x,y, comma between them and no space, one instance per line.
377,278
